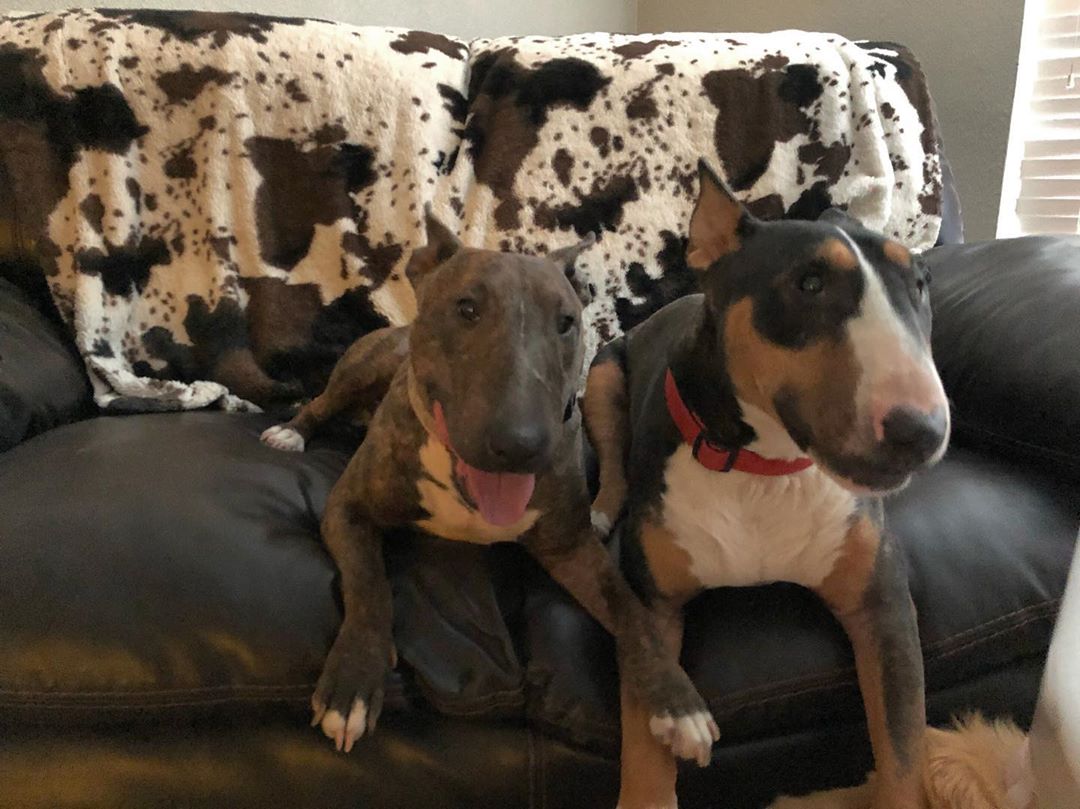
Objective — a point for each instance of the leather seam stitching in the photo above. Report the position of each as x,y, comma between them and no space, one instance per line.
939,649
981,431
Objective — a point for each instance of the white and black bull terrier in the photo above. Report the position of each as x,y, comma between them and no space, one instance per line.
750,432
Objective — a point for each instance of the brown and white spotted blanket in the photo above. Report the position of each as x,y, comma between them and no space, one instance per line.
223,202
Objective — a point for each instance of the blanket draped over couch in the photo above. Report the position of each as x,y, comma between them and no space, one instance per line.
231,198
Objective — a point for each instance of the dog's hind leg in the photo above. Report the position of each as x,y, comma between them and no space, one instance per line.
605,408
867,590
357,384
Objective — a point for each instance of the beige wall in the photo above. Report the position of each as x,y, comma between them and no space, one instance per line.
967,47
464,18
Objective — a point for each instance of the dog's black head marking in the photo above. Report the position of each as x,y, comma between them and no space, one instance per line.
824,326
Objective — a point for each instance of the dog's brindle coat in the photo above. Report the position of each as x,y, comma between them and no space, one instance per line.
484,379
811,339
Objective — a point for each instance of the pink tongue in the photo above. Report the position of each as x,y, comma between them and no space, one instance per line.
501,497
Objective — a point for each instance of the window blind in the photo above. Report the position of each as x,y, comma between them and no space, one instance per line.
1041,189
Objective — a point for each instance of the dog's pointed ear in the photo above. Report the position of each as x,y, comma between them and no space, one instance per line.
440,246
566,258
719,221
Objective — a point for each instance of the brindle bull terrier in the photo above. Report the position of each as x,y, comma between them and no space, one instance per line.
476,438
758,424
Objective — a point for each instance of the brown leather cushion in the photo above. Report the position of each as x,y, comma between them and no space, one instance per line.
173,562
43,381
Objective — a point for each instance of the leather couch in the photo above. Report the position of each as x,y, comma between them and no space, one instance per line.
165,604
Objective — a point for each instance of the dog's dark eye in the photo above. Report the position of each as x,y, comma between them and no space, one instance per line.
467,309
566,323
812,283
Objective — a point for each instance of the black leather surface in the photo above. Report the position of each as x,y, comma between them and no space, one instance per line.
988,546
42,380
162,560
415,759
1006,338
162,583
173,561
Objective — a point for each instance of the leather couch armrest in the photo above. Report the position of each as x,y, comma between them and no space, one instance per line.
1007,343
43,382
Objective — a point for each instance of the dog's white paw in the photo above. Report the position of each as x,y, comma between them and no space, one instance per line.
690,737
345,730
601,522
284,438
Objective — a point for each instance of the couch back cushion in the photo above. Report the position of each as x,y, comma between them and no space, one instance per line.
42,381
223,202
1005,336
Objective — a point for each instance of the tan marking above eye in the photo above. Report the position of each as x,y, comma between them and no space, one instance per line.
896,253
838,255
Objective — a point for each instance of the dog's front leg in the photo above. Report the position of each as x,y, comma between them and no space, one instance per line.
867,590
648,663
349,694
648,771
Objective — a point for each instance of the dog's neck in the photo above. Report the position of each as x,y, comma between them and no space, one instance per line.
700,370
419,410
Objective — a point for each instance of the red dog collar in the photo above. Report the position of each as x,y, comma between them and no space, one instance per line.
715,458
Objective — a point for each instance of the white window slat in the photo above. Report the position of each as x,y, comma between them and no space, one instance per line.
1059,148
1046,89
1069,208
1062,25
1049,168
1056,65
1054,128
1057,8
1053,188
1053,109
1048,225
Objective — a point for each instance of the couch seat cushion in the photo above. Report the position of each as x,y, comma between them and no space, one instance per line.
162,560
172,560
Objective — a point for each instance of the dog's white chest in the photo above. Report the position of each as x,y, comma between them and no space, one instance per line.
451,517
741,529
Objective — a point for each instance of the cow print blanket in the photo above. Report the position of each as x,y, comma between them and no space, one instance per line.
223,202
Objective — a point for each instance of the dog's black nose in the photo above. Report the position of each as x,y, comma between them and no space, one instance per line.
519,445
914,432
